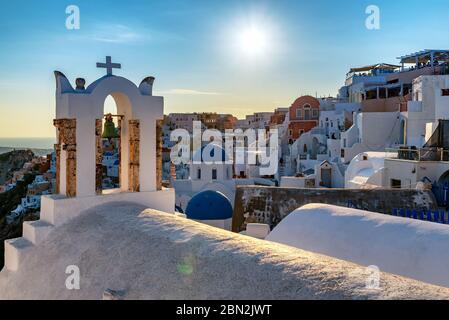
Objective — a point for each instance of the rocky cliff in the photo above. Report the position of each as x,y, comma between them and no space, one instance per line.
13,161
9,163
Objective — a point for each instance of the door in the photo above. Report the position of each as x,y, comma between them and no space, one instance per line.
326,177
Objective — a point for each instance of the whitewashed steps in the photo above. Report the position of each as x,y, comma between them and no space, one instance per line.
15,249
36,231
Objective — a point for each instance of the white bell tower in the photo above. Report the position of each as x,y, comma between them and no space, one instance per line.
79,114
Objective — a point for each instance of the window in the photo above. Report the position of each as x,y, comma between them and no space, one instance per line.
198,174
298,113
344,143
315,113
306,112
445,92
214,174
290,132
301,132
395,183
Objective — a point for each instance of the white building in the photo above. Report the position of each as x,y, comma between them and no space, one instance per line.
422,159
212,172
371,131
258,120
112,163
319,150
366,170
182,121
430,101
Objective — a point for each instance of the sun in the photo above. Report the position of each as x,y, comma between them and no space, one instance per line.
253,41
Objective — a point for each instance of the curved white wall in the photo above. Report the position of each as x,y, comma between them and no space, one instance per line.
412,248
370,172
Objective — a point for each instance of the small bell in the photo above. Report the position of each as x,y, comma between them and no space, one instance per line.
109,131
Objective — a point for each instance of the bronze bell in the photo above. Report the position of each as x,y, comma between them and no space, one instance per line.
109,131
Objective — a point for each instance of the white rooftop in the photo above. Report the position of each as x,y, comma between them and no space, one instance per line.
156,255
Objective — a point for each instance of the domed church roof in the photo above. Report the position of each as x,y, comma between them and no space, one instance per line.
209,205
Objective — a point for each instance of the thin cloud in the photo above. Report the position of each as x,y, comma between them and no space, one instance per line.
116,34
122,34
190,92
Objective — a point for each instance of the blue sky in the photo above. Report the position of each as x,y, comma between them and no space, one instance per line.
191,49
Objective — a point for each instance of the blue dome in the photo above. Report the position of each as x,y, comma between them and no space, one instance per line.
214,151
209,205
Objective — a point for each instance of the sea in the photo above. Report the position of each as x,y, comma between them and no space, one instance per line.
40,146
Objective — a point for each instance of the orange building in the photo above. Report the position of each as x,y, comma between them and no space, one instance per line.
278,117
304,115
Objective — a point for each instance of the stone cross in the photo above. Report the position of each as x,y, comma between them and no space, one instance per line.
109,65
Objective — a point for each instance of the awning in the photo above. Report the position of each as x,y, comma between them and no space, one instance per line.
379,66
425,55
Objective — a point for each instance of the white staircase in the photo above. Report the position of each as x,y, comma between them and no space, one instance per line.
14,252
34,232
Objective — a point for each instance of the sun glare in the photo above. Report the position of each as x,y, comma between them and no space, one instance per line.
253,41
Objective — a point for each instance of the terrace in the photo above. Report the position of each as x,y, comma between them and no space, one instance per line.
373,73
433,61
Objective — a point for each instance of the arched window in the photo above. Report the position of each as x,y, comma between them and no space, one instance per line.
198,174
214,174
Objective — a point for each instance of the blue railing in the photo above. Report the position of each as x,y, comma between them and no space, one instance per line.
438,216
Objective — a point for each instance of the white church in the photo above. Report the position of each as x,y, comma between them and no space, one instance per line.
213,177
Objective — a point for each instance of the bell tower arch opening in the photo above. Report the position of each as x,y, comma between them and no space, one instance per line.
110,146
118,139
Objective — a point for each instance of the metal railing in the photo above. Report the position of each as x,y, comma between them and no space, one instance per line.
415,154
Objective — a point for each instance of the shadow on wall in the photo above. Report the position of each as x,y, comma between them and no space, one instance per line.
271,204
